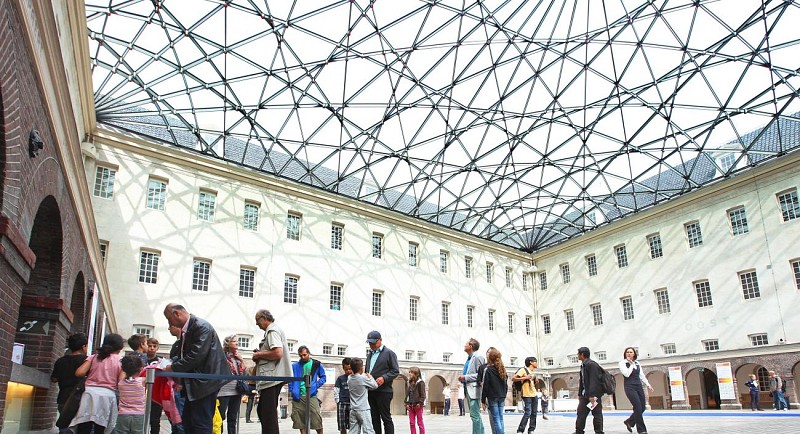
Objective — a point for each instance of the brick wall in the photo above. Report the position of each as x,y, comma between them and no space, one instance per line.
29,186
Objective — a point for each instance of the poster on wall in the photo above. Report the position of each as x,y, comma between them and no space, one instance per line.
725,381
676,383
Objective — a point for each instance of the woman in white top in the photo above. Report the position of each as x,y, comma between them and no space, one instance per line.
635,380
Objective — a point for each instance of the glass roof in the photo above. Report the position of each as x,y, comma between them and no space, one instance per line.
523,123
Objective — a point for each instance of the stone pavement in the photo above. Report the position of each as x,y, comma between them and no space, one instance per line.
677,422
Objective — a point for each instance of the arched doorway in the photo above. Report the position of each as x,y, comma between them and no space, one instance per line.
559,389
400,391
762,376
660,396
703,389
78,305
435,395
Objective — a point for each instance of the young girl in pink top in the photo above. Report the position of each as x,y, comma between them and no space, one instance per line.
131,397
103,371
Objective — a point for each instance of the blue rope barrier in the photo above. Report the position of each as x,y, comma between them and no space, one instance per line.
224,377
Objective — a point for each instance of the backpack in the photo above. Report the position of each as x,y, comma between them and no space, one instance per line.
608,382
517,385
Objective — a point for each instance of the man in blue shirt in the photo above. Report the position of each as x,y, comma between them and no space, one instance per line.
472,384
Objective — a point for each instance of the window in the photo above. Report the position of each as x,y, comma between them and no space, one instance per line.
668,349
511,318
377,245
420,356
548,361
206,205
569,316
727,161
293,226
468,267
546,324
446,357
524,282
377,303
693,234
508,277
564,273
627,308
250,218
703,291
796,270
591,265
543,281
156,194
763,379
290,345
654,241
443,261
738,221
601,356
103,251
597,314
341,350
327,349
759,339
201,271
409,354
337,236
244,342
104,182
445,313
512,361
749,285
572,359
489,271
290,289
662,301
336,296
470,316
711,345
146,330
247,282
790,206
622,256
412,254
148,266
413,308
491,320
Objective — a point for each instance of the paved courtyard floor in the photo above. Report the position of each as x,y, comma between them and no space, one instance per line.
677,422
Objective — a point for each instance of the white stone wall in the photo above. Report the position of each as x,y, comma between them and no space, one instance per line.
767,249
179,236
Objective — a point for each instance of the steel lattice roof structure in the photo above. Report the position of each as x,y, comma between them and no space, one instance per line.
525,123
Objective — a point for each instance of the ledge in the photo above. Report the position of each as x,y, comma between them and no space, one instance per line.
27,375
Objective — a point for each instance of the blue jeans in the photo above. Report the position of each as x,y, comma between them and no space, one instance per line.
779,401
446,406
531,407
475,414
198,414
496,406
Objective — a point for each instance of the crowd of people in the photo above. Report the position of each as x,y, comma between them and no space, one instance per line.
106,392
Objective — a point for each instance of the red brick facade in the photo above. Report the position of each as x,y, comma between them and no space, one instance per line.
45,274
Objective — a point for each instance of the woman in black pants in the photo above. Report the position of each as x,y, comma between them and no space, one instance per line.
634,382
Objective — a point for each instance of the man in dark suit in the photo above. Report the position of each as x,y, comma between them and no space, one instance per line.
382,365
590,390
200,352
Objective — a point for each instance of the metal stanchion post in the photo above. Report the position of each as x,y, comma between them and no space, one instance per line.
307,380
149,379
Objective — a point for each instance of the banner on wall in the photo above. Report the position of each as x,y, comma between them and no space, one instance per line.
676,383
725,381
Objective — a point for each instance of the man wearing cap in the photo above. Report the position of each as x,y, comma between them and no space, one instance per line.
382,365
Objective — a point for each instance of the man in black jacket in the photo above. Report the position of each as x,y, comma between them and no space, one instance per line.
382,365
200,352
590,392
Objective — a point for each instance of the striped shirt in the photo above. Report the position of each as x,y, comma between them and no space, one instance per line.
131,396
